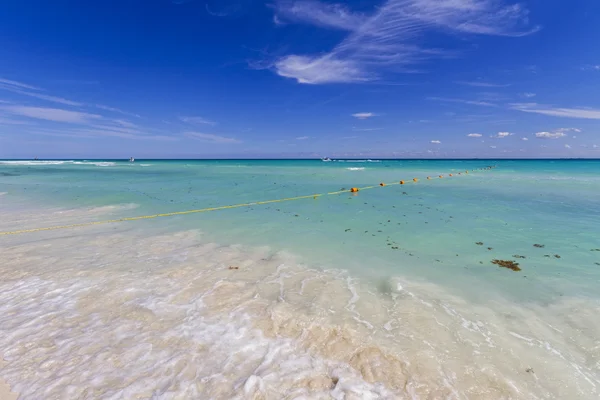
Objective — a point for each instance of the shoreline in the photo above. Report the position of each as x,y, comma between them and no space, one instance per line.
357,337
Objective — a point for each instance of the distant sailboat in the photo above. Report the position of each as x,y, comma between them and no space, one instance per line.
326,159
131,159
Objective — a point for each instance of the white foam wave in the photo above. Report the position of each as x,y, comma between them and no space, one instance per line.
33,162
359,161
48,162
96,163
356,169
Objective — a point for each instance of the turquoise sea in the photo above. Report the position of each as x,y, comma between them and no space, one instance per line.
386,293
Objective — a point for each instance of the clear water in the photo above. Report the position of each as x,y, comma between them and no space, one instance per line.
398,267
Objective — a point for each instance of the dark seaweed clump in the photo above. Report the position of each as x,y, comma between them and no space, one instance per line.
540,246
507,264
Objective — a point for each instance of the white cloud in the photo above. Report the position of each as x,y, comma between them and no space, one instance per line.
335,16
470,102
365,129
52,114
565,130
584,113
303,138
482,84
46,97
364,115
501,135
550,135
595,146
116,110
474,135
207,137
528,95
388,38
316,70
7,84
124,123
98,132
10,121
524,138
492,147
22,89
567,146
198,120
436,142
591,68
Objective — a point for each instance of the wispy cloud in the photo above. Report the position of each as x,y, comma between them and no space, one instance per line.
32,91
524,138
303,137
197,121
389,37
99,132
470,102
7,83
51,114
591,68
336,16
364,115
52,99
502,135
583,113
116,110
483,84
435,142
474,135
10,121
365,129
528,95
207,137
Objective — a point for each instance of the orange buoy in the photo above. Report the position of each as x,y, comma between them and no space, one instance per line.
428,178
415,180
402,182
441,176
354,190
382,184
450,174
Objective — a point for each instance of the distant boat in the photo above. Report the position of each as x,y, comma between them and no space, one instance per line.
131,159
326,159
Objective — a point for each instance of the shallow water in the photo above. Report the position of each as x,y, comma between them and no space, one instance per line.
380,295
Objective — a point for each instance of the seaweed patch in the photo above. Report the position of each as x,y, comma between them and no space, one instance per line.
507,264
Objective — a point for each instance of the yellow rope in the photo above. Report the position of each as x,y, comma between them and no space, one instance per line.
110,221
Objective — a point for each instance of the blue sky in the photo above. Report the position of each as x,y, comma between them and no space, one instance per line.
284,78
